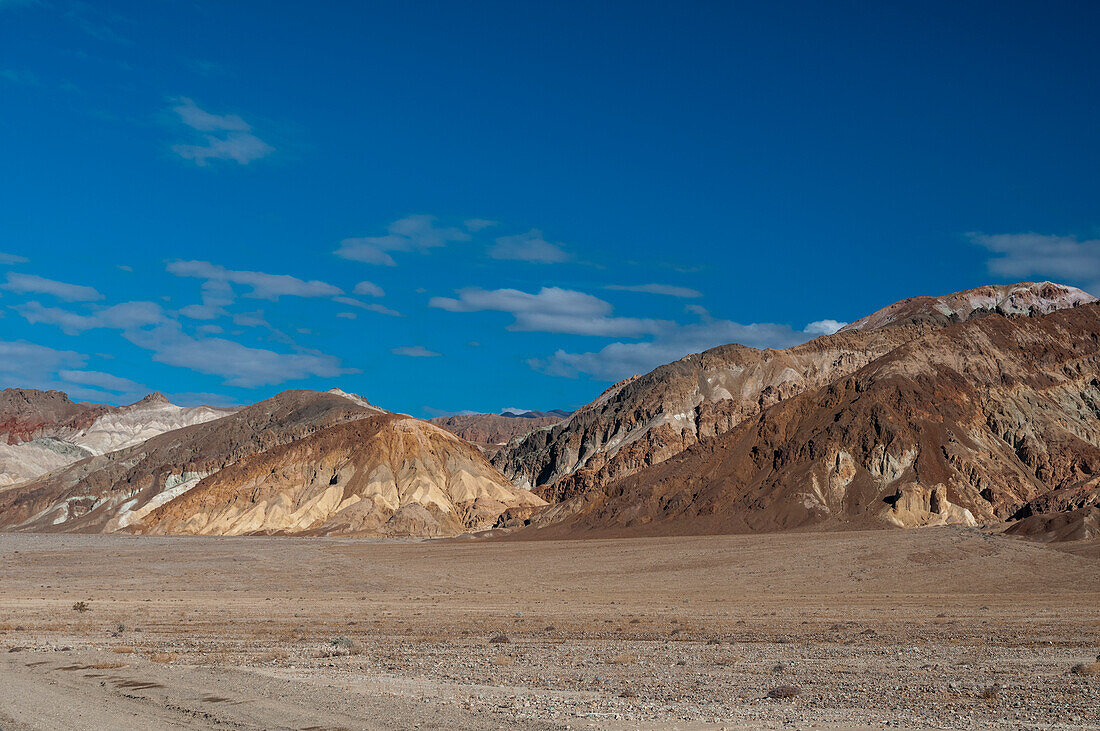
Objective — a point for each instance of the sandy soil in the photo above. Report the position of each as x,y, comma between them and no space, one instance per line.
906,629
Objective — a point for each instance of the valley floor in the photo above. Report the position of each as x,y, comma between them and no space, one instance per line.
908,629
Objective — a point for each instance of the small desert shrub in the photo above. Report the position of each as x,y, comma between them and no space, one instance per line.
624,659
1091,669
991,693
499,640
784,691
80,607
164,657
107,665
504,661
274,656
123,650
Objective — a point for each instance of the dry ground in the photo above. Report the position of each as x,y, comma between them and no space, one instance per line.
896,628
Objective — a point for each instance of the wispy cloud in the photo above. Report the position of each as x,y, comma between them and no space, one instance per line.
620,360
225,137
381,309
12,259
665,289
369,289
28,364
34,284
237,364
1027,255
413,233
117,317
262,285
531,246
103,381
415,351
551,309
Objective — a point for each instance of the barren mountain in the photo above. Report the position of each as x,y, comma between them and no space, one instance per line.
105,491
490,432
1025,298
301,462
647,419
45,431
977,421
388,475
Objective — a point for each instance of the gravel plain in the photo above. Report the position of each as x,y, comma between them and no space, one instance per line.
932,628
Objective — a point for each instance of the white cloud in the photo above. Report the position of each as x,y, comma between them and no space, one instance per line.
823,327
414,233
665,289
415,351
551,309
1026,255
263,285
370,289
28,365
227,137
674,341
477,224
347,315
238,364
119,317
104,381
531,246
383,310
10,259
34,284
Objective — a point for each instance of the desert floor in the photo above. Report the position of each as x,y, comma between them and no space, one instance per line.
939,627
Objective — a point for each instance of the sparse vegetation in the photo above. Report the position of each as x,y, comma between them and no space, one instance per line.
1091,669
123,650
504,661
991,693
500,639
163,657
81,606
784,691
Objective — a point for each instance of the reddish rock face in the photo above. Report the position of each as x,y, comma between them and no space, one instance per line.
979,421
647,419
27,414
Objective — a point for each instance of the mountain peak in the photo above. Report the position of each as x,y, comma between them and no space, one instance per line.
154,399
1022,298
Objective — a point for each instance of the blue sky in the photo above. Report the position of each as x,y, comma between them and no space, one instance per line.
474,206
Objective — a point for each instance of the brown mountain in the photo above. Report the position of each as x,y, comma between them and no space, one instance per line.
98,491
490,432
303,462
647,419
383,475
44,430
987,419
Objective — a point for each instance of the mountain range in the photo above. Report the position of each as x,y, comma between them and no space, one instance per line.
980,407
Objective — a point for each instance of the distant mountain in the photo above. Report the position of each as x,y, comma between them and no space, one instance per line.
489,432
300,462
45,430
644,421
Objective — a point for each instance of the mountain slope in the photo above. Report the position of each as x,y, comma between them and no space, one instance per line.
489,432
98,492
388,475
647,419
45,431
966,423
